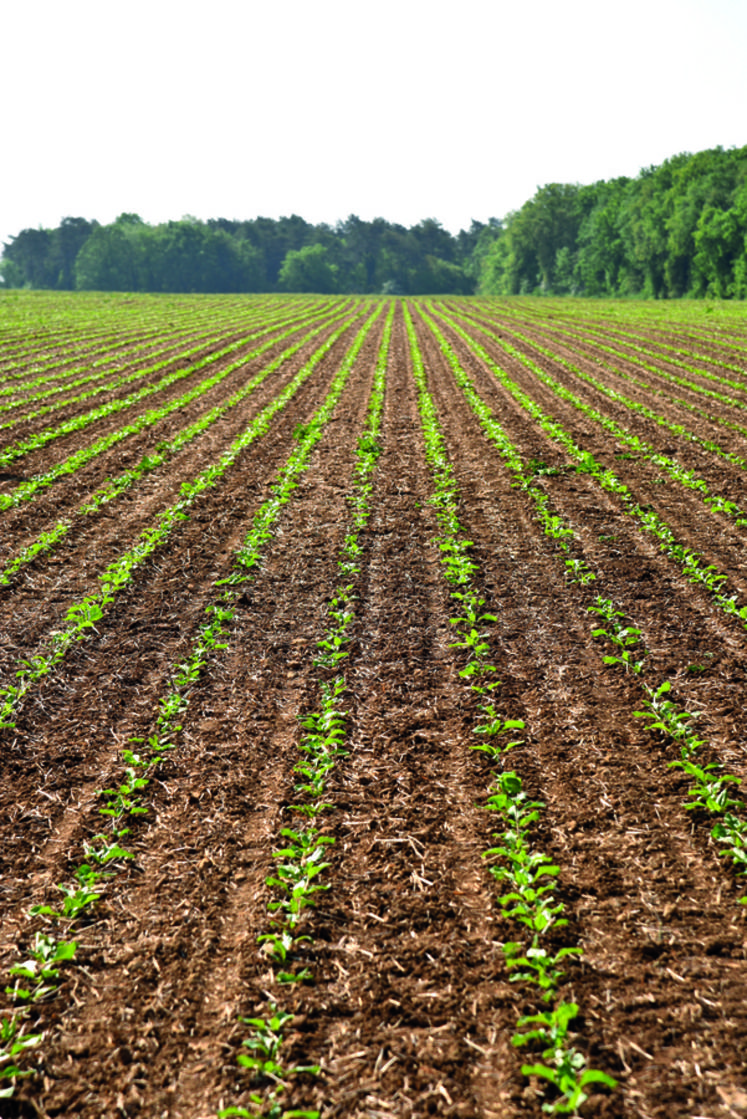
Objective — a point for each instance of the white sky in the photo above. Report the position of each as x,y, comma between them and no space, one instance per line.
403,109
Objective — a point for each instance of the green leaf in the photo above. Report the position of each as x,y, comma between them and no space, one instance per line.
594,1076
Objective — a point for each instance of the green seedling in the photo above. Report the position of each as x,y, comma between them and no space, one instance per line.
303,843
472,607
664,716
101,851
46,953
269,1107
311,809
76,900
496,725
297,883
731,833
288,978
14,1042
264,1045
711,791
157,746
477,667
124,799
625,638
84,615
537,966
579,571
538,469
279,944
473,641
565,1069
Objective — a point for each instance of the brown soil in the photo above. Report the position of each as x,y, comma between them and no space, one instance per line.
411,1012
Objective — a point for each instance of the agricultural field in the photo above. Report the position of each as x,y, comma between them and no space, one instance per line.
372,679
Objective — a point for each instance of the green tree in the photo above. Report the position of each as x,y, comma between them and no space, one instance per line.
11,274
31,252
435,276
114,258
718,241
495,276
68,239
601,259
308,269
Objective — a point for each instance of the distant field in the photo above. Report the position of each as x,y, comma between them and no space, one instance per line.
372,679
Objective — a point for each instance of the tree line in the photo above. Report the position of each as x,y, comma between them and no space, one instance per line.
678,229
261,255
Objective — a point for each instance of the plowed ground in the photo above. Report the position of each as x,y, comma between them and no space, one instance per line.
411,1011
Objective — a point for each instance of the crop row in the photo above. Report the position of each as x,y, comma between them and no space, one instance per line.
28,489
208,338
99,332
38,361
81,618
655,390
114,488
644,450
633,405
525,872
301,856
711,792
641,409
36,978
78,423
639,342
722,330
109,351
554,1021
636,350
578,342
647,519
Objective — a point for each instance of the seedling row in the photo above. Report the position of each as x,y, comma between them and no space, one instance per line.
371,709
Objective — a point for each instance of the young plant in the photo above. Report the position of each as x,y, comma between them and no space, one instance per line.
529,874
13,1043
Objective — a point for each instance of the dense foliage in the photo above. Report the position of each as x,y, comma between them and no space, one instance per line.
262,255
677,229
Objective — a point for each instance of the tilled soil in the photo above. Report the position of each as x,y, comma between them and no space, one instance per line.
411,1011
